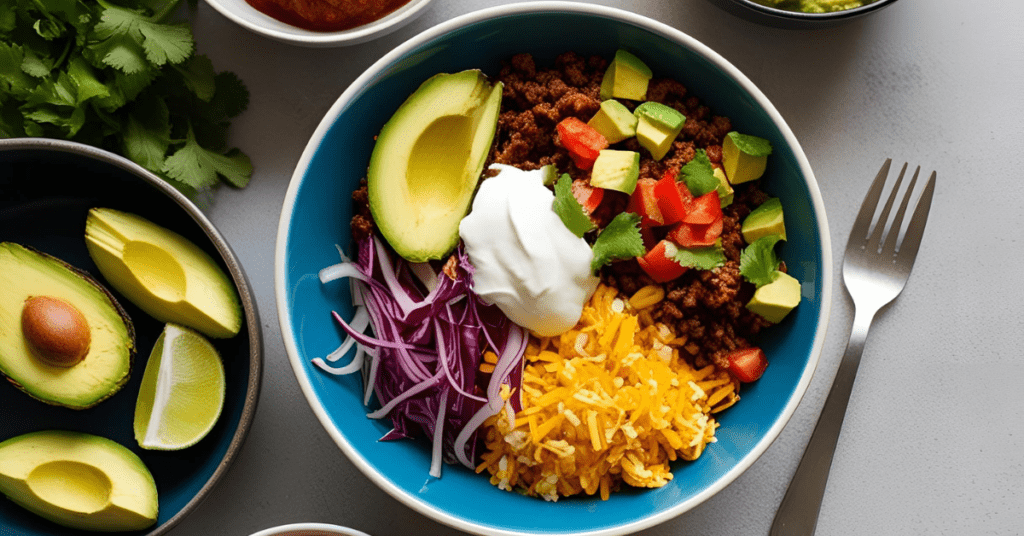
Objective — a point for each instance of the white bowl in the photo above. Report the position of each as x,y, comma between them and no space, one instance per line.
256,21
309,529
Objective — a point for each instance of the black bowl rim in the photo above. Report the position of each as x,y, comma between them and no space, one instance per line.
238,275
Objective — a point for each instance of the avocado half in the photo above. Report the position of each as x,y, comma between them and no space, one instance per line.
26,273
427,161
78,480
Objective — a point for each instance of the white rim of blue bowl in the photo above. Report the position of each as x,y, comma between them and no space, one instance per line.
308,38
324,528
353,91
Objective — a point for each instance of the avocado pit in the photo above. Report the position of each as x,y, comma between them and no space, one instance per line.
56,331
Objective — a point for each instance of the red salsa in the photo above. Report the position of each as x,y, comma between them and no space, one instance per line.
327,15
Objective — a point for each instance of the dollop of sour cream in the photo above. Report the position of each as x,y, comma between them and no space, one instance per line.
526,261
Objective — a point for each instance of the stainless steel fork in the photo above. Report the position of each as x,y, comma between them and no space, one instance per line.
876,266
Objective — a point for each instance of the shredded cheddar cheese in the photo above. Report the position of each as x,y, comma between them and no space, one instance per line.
606,402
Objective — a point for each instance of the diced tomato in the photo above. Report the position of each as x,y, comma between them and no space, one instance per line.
644,202
588,196
690,235
582,141
658,262
704,209
671,202
747,364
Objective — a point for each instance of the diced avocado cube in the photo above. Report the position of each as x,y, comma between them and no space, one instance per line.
725,192
767,219
662,115
550,174
776,299
614,121
657,127
616,170
625,78
744,157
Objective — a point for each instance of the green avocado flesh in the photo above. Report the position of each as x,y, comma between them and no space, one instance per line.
25,273
163,273
78,480
427,161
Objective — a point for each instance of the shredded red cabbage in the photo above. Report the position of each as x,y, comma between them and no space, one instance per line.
425,350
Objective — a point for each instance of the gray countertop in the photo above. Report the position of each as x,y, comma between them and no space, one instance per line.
933,441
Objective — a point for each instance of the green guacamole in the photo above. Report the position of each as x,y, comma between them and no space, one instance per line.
814,6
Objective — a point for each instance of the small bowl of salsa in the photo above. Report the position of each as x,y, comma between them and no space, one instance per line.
321,23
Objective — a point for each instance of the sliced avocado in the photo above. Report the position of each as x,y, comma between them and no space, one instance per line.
427,161
626,78
744,157
31,357
614,121
725,191
766,219
616,170
78,480
163,273
657,127
776,299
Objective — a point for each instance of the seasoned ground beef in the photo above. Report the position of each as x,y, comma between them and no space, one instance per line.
706,307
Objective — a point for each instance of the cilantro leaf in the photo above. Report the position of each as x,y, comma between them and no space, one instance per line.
619,240
84,78
198,167
147,135
15,80
701,258
130,42
758,261
198,76
698,174
35,66
751,145
119,41
569,209
124,77
231,97
166,43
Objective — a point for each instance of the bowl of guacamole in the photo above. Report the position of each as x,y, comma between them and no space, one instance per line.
801,14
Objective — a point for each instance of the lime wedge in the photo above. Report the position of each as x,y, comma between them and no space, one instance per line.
182,391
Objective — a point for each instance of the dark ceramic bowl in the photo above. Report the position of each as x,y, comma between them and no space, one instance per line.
795,20
46,188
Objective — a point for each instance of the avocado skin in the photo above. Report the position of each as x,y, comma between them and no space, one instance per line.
13,301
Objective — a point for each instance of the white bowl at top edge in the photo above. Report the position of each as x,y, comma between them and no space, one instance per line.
315,217
243,14
309,529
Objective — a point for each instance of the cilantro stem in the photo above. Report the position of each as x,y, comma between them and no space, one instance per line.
63,55
165,10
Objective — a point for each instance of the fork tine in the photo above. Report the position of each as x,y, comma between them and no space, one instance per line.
883,218
912,240
889,247
867,208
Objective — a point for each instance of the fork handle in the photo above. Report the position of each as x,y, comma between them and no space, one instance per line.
798,512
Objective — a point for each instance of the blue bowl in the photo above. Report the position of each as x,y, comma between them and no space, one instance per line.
46,189
317,210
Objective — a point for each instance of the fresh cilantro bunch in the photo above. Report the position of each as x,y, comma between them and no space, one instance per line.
122,77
